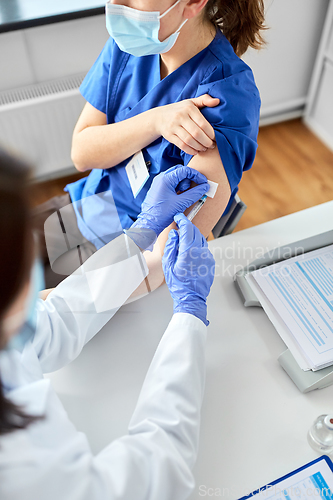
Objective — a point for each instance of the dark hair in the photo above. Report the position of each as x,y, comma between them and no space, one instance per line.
15,262
240,21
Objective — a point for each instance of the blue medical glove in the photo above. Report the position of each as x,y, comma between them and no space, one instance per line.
188,267
162,202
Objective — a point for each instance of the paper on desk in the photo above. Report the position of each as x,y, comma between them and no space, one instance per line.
312,482
300,293
278,324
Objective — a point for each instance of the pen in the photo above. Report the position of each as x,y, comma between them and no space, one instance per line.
197,207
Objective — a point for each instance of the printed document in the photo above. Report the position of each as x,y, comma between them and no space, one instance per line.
297,295
314,483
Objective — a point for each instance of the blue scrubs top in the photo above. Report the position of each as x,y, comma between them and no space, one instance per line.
122,86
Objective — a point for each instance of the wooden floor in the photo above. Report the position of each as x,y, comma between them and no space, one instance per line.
293,170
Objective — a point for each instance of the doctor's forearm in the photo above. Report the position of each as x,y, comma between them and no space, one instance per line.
157,457
155,277
85,301
104,146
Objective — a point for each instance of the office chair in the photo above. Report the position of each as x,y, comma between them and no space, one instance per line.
228,222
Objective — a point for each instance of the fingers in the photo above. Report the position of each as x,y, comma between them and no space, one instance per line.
186,127
201,129
171,249
206,100
176,175
199,119
184,185
180,142
192,195
194,134
186,233
189,235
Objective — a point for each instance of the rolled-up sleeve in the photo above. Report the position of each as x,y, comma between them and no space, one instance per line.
95,85
235,121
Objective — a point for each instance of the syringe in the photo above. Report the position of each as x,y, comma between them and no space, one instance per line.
197,207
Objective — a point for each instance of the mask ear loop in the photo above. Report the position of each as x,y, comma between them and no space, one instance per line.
180,27
169,9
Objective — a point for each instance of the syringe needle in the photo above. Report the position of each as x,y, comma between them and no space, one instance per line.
197,207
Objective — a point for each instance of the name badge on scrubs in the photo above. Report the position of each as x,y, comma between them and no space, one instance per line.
137,173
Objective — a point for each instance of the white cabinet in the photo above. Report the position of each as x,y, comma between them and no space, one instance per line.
283,68
319,110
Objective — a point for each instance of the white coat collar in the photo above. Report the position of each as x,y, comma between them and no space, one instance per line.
19,368
32,398
22,380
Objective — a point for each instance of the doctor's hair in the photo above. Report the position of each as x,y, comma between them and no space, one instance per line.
15,261
241,22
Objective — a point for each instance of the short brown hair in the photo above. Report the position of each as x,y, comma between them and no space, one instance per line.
15,260
240,21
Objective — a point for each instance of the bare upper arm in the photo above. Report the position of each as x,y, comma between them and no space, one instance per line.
89,117
209,163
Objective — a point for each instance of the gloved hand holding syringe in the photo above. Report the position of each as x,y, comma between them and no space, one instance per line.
199,204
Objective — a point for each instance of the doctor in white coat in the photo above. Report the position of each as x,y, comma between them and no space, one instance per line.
42,455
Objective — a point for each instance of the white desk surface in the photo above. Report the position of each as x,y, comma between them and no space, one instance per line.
254,419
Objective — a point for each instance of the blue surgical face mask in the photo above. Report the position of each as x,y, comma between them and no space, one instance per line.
136,31
29,315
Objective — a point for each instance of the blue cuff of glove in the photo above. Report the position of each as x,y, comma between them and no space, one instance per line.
196,307
149,221
143,237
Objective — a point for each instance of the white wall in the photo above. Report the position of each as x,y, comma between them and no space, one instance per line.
52,51
283,68
35,121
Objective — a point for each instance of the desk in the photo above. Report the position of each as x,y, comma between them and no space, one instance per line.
254,419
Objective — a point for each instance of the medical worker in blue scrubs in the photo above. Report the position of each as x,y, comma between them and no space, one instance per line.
42,455
169,82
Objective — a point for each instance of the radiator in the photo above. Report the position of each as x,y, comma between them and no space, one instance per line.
37,121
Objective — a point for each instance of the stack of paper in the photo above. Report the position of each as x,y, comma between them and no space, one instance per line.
297,295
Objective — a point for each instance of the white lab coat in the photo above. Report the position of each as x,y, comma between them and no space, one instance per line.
50,459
